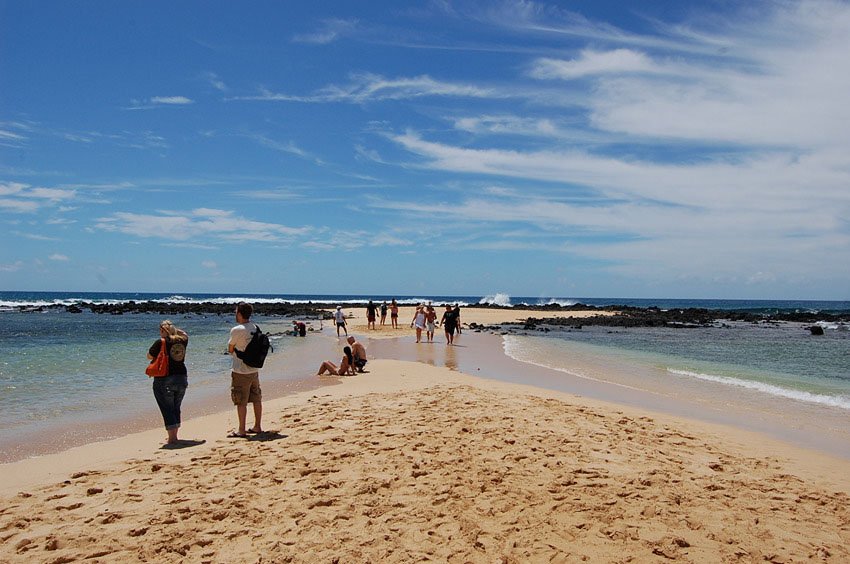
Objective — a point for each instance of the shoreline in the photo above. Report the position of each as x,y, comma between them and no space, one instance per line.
412,460
485,357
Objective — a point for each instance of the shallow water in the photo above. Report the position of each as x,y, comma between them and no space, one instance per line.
67,378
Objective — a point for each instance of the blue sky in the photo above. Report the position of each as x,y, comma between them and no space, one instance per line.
586,148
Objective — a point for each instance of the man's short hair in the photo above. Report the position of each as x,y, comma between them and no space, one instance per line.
245,309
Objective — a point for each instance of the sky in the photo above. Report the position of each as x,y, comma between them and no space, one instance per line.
682,149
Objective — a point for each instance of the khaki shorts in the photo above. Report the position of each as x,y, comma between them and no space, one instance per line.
245,388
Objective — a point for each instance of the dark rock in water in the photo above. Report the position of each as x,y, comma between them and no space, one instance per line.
816,330
73,309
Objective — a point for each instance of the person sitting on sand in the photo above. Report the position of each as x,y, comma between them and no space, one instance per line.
299,329
346,367
359,352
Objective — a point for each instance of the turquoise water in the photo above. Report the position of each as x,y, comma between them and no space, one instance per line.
60,369
781,360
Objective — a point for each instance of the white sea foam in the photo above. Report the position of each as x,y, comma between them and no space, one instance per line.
496,299
7,305
557,301
842,402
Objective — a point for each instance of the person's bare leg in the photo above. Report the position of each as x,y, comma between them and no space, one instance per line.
172,436
241,414
258,416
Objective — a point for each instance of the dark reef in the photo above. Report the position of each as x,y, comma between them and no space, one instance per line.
623,316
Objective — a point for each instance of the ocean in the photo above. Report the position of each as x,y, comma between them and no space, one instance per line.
63,373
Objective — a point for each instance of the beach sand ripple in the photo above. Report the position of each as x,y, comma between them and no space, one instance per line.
451,473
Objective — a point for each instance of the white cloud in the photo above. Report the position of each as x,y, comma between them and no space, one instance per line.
771,181
12,188
330,31
59,257
18,206
197,225
33,236
51,194
23,198
508,125
13,267
592,63
211,264
159,102
171,100
284,147
371,87
215,81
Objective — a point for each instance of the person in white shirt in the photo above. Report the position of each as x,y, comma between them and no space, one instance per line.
339,317
244,379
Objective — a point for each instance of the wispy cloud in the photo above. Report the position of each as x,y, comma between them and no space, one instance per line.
12,267
23,198
159,102
369,87
591,63
215,81
509,125
329,31
59,257
197,225
171,100
288,147
33,236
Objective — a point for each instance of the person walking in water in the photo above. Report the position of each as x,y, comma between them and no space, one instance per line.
169,390
419,321
339,318
449,323
394,314
244,379
430,321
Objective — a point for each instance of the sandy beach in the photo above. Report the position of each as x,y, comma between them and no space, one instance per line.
416,462
357,323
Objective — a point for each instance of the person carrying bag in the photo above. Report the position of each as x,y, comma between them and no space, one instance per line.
170,377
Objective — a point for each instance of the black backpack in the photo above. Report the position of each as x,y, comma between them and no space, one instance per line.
258,348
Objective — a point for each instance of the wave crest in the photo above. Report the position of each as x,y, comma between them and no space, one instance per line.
496,299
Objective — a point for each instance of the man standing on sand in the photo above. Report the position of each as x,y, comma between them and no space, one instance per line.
430,320
371,310
359,353
449,323
339,317
244,379
383,312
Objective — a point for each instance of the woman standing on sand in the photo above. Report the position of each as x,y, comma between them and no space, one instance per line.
394,314
169,390
419,321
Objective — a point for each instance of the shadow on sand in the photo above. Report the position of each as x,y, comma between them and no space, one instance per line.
182,443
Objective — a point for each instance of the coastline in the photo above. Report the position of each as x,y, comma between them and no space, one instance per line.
412,460
436,452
